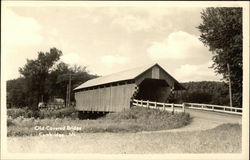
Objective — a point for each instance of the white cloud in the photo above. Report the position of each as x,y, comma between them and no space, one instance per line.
188,72
133,23
18,30
72,58
111,60
178,45
140,19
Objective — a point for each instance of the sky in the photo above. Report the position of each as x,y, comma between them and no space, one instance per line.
109,39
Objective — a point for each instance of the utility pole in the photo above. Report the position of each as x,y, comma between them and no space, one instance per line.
67,104
69,88
67,95
230,88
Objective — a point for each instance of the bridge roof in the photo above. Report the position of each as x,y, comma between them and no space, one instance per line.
119,76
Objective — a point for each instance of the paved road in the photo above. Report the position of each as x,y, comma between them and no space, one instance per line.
203,120
143,142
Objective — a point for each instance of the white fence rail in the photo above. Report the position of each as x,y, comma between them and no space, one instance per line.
215,108
161,106
181,107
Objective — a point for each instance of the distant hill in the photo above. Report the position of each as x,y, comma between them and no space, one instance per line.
210,92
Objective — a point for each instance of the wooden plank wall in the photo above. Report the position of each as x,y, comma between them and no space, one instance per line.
167,78
155,73
107,99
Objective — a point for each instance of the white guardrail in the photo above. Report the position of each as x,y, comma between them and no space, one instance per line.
161,106
181,107
215,108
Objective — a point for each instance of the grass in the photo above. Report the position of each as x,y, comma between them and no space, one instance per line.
27,113
133,120
60,113
225,138
17,112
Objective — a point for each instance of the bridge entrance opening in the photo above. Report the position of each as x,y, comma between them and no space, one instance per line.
153,90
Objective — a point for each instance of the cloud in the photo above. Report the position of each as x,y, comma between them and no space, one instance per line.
72,58
133,23
178,45
189,72
111,60
18,30
137,19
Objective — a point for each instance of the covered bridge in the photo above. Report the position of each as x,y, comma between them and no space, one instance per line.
114,93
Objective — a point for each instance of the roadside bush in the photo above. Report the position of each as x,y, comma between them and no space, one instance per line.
16,112
10,122
60,113
150,119
27,113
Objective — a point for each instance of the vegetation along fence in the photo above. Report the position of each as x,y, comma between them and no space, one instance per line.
181,107
52,106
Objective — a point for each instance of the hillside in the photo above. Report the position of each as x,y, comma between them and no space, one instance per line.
210,92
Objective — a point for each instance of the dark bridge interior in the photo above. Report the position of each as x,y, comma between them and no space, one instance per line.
153,90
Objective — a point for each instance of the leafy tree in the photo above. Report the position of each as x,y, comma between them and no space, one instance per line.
221,31
16,91
36,73
45,78
209,92
61,75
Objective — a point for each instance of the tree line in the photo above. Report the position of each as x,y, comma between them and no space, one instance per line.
207,92
44,79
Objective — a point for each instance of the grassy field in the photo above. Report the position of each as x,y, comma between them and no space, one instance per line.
133,120
225,138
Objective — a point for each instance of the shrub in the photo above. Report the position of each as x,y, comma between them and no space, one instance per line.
60,113
16,112
10,122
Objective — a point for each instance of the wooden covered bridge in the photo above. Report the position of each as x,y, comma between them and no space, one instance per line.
115,92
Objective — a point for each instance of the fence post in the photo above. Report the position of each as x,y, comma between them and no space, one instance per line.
141,103
155,105
164,106
147,103
172,106
183,107
137,103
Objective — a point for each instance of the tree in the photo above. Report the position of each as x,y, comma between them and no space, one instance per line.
16,91
210,92
221,31
36,73
43,79
60,78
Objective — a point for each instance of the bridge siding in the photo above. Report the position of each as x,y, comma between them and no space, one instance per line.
108,99
116,97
